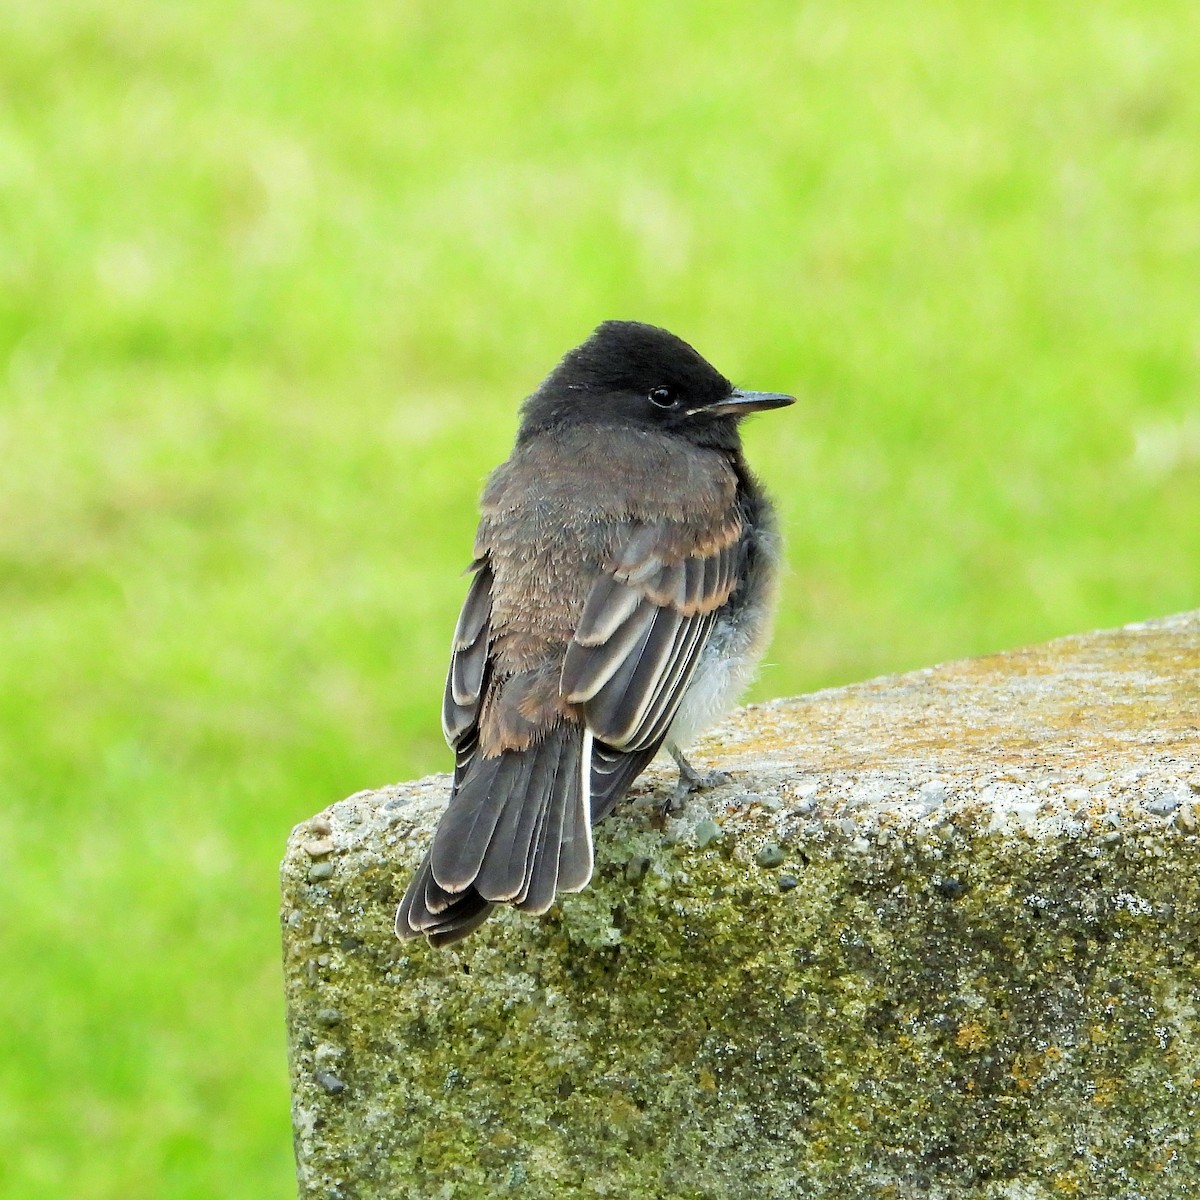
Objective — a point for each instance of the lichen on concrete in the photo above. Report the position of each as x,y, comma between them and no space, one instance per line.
939,937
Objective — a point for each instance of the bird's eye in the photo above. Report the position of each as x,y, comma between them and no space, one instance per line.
663,397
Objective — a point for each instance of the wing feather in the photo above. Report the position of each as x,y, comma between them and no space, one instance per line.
644,625
616,712
586,669
694,575
466,680
612,773
607,608
694,637
666,588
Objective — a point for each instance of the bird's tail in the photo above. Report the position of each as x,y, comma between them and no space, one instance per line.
517,830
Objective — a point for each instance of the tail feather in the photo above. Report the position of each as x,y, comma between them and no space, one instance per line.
506,863
542,881
437,899
454,916
575,844
518,829
456,930
469,825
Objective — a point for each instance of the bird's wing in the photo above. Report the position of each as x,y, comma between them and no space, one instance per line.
470,666
643,627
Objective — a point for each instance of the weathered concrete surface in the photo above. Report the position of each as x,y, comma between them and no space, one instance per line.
938,938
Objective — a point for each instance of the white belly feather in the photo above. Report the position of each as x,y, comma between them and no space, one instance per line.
726,668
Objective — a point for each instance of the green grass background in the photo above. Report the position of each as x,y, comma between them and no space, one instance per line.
273,279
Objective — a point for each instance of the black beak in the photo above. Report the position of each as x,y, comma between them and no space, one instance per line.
738,403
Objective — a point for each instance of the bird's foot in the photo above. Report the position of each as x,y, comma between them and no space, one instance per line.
690,780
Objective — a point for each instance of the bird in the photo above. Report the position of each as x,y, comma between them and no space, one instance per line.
620,596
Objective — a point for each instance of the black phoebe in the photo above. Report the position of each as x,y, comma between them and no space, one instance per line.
623,584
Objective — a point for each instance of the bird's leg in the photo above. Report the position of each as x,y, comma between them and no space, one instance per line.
690,780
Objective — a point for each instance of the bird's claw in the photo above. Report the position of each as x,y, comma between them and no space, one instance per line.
690,780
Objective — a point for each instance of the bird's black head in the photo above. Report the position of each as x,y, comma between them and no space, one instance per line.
629,374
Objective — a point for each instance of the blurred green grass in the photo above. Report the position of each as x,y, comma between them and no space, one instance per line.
273,278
